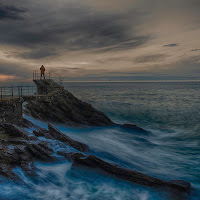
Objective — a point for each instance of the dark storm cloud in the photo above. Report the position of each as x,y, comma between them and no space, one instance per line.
11,12
38,53
171,45
48,28
100,32
74,28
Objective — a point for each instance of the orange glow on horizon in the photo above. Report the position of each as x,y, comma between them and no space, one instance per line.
4,77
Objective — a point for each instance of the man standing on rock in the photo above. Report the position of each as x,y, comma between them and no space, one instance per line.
42,69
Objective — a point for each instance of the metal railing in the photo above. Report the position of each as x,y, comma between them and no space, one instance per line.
37,75
13,92
48,75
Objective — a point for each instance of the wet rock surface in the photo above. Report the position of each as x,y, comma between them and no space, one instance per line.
63,138
20,148
127,174
62,107
132,127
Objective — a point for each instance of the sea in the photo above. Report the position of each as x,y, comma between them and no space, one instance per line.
170,111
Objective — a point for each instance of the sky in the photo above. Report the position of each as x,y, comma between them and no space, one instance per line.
101,40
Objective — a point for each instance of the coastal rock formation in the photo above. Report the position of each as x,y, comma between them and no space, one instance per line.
20,148
60,106
127,174
13,151
10,111
133,128
67,140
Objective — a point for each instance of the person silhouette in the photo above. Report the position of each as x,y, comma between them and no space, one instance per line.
42,69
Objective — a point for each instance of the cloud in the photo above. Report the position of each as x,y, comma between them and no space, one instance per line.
131,43
74,28
150,58
195,50
11,12
117,5
38,53
171,45
15,70
98,37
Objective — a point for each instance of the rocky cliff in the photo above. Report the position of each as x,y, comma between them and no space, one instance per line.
60,106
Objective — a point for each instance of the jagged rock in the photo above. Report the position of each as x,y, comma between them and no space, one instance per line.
40,151
77,156
41,132
13,130
9,155
62,107
133,128
16,133
24,123
67,140
18,148
27,164
67,155
180,184
130,175
6,170
71,156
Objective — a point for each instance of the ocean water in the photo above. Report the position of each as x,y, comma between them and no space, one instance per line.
169,110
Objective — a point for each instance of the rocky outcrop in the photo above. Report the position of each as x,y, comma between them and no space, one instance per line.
20,148
54,133
63,107
10,111
132,127
67,140
40,151
127,174
15,155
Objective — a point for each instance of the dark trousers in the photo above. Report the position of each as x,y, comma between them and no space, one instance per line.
42,74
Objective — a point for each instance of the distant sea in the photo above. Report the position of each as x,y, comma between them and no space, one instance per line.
169,110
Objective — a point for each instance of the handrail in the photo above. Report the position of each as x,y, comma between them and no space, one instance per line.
11,92
48,75
37,75
60,78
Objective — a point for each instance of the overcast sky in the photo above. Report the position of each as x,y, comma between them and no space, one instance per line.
101,40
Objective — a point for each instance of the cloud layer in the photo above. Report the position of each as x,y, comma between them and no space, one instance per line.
115,39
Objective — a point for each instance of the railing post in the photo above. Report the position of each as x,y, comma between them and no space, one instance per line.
18,92
21,92
12,92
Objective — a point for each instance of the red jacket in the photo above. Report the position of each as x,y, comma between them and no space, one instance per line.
42,69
